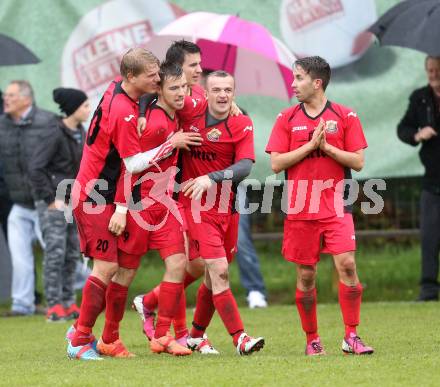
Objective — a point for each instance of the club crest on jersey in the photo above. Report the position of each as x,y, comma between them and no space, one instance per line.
331,126
194,128
214,135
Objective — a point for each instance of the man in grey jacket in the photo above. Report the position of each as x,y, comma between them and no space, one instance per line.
21,127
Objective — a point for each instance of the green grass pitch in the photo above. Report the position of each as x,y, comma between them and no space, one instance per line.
405,336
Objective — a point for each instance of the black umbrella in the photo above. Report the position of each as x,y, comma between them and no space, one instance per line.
413,24
14,53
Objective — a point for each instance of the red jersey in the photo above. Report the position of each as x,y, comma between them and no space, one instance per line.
293,128
159,127
111,137
197,92
224,143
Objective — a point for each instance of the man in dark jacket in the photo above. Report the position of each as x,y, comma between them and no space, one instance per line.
57,156
421,124
21,127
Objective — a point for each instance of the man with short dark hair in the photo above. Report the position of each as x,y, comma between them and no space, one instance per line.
21,128
188,55
421,125
317,142
156,225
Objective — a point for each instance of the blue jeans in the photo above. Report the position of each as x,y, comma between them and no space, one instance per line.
23,230
247,259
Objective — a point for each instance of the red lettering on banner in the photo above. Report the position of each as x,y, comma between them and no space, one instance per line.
97,61
302,13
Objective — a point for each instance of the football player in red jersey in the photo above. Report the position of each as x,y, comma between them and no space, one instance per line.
318,142
112,137
159,224
209,174
187,55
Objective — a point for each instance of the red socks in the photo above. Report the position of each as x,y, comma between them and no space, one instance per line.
169,298
151,299
306,305
179,321
204,311
116,297
350,301
188,280
226,307
91,306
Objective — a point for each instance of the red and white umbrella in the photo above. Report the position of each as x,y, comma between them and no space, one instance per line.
261,64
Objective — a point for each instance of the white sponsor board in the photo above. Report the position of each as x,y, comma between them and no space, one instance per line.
92,54
333,29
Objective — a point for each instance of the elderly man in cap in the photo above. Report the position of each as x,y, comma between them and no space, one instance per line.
57,157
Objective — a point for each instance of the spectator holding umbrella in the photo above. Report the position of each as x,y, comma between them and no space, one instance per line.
421,125
57,156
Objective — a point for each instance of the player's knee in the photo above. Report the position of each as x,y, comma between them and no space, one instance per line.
196,267
104,270
175,265
307,282
306,276
124,276
348,266
219,272
224,276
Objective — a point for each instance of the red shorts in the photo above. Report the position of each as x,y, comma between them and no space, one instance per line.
95,240
152,229
210,238
304,240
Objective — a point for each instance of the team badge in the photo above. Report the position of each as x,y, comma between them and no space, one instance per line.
214,135
331,126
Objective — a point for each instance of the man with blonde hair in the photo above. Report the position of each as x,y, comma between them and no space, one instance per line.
111,137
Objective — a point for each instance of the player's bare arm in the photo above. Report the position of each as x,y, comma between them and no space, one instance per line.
283,161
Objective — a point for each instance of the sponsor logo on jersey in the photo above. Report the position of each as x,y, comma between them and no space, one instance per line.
297,128
352,114
250,128
194,128
202,155
331,126
214,135
129,118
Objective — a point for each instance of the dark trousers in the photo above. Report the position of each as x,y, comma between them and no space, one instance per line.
430,237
